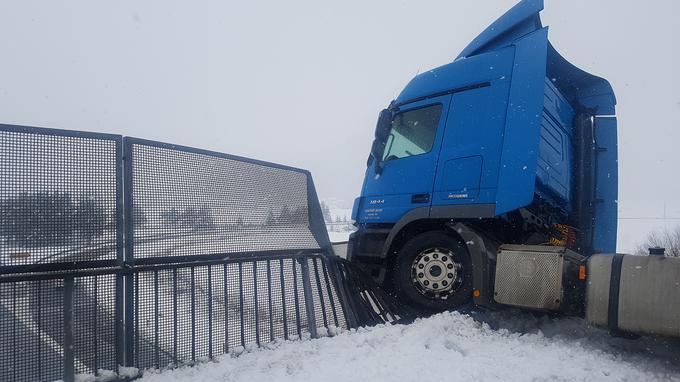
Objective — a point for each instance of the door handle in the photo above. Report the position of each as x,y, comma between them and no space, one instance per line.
420,198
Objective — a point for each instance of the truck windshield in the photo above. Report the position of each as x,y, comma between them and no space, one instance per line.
412,132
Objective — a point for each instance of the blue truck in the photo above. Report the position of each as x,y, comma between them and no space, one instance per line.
492,177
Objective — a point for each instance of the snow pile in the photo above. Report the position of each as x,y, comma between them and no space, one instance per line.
506,346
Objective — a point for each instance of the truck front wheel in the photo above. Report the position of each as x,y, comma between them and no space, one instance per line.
433,272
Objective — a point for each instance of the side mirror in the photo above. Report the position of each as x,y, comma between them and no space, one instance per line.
382,131
382,128
377,149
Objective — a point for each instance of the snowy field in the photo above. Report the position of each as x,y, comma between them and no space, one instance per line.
505,346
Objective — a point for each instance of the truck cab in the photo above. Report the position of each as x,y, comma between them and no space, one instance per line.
509,144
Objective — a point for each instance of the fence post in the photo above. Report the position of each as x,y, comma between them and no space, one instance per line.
317,224
69,358
128,340
129,312
120,320
309,301
347,298
334,269
119,309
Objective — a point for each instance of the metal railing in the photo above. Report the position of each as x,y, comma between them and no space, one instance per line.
124,252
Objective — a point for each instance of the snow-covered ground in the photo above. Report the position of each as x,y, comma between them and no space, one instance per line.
505,346
338,236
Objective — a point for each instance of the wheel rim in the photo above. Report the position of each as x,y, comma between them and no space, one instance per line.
436,274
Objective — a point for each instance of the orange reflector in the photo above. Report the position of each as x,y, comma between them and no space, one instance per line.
476,293
582,272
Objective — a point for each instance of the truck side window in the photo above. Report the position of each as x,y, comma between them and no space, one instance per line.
412,132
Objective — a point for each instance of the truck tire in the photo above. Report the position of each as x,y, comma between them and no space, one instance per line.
433,272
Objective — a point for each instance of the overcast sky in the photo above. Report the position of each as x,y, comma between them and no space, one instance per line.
301,82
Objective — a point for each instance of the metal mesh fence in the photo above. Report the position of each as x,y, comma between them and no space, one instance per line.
220,253
369,304
31,324
188,202
182,313
34,345
95,312
58,196
189,313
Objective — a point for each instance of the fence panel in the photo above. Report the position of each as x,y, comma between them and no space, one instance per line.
187,204
55,327
60,199
187,313
60,210
259,221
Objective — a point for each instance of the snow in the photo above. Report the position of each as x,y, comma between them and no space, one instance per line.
338,236
340,226
338,223
128,372
452,346
105,375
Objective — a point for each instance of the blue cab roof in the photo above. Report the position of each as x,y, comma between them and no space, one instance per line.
523,19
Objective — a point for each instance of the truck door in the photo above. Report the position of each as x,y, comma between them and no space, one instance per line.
408,163
468,165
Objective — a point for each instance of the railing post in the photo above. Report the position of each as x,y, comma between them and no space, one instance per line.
119,308
69,358
309,301
120,319
129,311
128,256
341,286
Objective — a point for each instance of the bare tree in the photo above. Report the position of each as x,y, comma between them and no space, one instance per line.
669,239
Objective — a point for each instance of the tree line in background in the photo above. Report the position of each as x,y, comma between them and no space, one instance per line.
287,216
42,219
668,239
202,218
189,217
52,218
328,216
